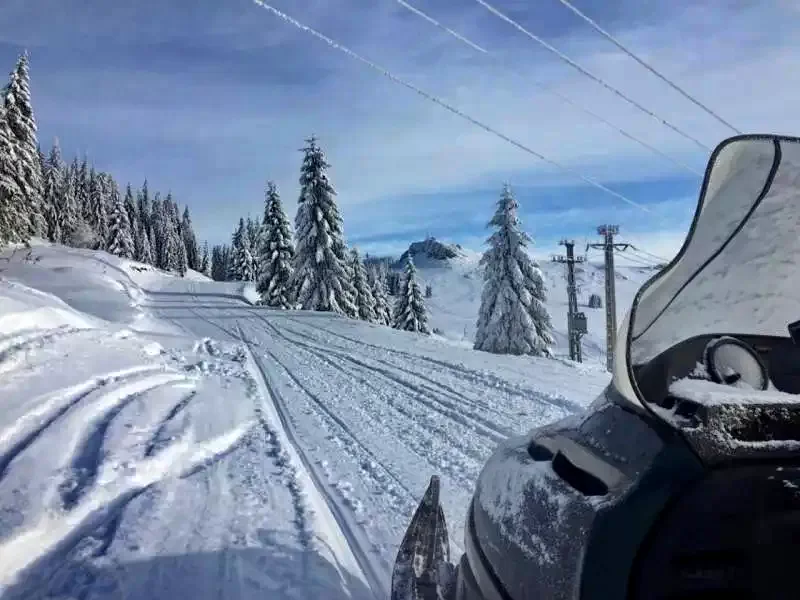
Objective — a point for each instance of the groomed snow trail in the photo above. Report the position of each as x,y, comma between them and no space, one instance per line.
200,447
373,412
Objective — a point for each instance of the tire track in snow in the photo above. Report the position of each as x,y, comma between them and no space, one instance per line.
356,542
455,470
51,411
31,558
443,389
413,393
27,337
282,460
86,454
377,578
484,427
12,346
156,442
331,417
476,376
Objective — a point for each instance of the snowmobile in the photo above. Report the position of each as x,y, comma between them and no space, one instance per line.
682,479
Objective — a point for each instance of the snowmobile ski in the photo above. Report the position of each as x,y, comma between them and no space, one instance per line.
424,551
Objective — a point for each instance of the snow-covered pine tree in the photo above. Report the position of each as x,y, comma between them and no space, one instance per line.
83,194
130,206
22,123
227,264
145,252
513,318
205,262
98,214
66,210
363,299
409,308
144,208
253,232
216,263
243,263
53,187
158,232
320,263
190,242
175,231
383,309
42,162
275,253
120,240
14,223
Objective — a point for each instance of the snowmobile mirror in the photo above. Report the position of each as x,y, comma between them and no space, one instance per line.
736,272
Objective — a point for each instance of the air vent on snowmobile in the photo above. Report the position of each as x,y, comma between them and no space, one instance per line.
583,481
538,452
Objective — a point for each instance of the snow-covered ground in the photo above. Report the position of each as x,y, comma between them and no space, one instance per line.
163,438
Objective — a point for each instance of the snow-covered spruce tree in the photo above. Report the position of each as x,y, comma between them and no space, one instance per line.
217,268
53,187
320,276
205,261
175,230
227,263
22,123
244,265
14,223
83,190
409,308
383,309
66,210
513,318
130,206
98,202
275,253
158,232
253,232
120,239
190,241
363,298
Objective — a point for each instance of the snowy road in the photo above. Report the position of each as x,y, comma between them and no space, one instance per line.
261,454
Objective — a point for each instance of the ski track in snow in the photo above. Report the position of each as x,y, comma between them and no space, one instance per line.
461,373
456,442
352,535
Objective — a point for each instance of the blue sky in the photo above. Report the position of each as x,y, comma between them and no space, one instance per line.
209,99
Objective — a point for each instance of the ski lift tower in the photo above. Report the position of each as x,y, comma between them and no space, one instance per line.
576,321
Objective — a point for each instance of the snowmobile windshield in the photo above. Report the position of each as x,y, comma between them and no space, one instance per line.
738,272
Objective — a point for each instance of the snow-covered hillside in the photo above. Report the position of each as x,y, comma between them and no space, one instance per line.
163,438
457,284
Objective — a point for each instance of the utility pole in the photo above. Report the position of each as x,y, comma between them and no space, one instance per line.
576,321
608,232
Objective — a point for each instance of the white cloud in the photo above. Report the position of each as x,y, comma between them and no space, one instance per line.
383,140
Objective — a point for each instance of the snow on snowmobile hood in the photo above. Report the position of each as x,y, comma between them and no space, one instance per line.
737,274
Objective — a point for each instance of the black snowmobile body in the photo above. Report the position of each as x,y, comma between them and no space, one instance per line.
682,480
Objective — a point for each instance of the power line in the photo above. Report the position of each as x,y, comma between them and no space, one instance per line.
650,68
433,21
444,104
641,256
659,258
589,74
638,261
546,88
